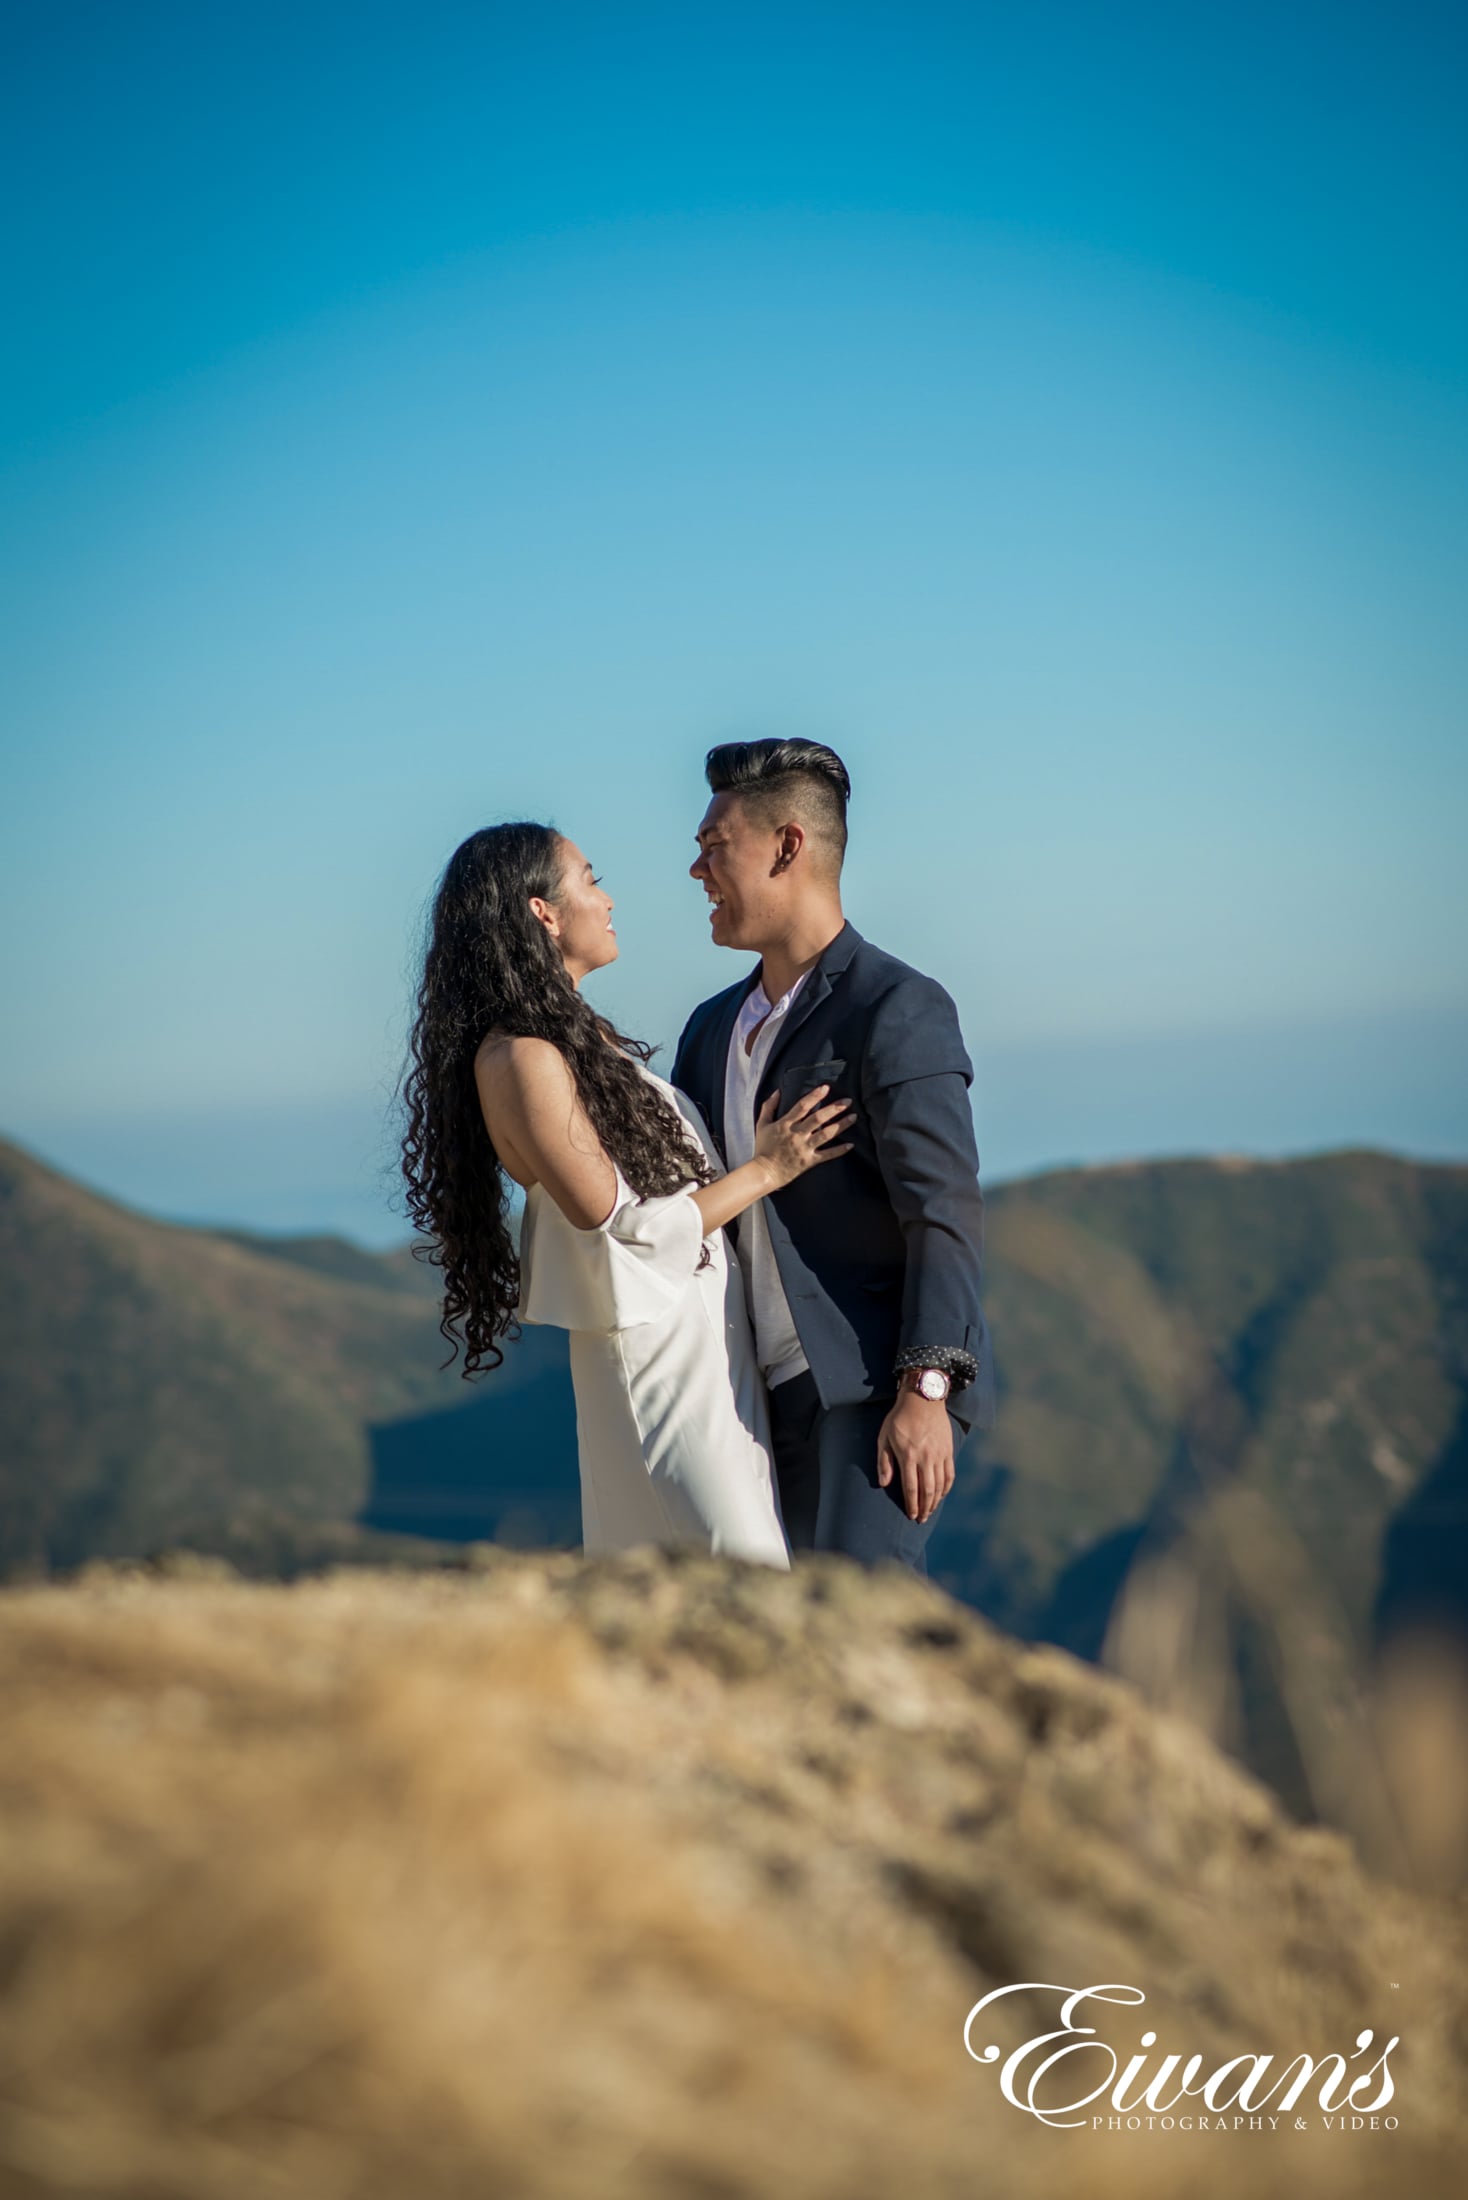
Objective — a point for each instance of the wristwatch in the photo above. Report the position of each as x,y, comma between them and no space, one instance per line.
951,1360
928,1382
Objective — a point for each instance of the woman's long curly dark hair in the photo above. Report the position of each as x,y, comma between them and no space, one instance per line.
490,964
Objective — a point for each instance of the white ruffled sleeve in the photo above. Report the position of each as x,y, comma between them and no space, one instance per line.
653,1248
632,1268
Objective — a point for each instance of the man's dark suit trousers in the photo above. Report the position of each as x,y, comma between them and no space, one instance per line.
826,1469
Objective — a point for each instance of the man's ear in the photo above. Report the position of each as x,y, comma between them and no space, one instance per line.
792,840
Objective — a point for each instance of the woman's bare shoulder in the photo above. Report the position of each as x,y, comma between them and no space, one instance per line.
522,1062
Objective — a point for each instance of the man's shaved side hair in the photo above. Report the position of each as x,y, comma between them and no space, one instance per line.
780,780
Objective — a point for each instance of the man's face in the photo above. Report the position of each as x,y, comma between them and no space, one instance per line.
735,866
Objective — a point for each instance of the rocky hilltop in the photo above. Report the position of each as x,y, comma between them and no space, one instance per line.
653,1877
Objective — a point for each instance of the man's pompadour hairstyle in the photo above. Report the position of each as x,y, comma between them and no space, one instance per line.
800,777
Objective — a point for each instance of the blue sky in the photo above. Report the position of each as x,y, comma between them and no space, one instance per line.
415,417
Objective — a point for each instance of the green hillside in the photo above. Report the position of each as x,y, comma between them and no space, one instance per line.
1301,1326
161,1384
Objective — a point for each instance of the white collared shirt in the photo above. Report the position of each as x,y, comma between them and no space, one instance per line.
776,1340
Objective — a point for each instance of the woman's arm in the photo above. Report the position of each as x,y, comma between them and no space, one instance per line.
532,1110
531,1107
785,1147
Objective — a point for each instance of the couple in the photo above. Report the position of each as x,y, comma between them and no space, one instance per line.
818,1113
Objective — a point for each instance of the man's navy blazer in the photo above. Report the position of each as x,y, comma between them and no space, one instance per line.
880,1250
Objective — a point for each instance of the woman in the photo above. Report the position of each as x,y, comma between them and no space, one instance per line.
514,1077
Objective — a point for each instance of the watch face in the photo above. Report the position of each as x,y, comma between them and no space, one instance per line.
932,1384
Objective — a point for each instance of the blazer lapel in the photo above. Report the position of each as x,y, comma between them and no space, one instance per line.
719,1034
817,988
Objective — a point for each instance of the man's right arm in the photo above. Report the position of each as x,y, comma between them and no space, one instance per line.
916,1097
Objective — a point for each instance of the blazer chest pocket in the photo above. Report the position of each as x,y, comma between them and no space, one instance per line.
803,1077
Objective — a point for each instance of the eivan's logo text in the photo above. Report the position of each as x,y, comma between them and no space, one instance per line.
1235,2094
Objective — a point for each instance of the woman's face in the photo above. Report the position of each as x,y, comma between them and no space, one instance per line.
579,920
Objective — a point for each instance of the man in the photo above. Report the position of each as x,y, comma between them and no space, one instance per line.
863,1275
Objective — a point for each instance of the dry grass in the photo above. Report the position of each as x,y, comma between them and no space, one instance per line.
620,1879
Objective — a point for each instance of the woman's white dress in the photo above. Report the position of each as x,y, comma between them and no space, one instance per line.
672,1418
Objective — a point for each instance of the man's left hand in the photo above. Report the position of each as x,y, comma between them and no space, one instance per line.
916,1442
